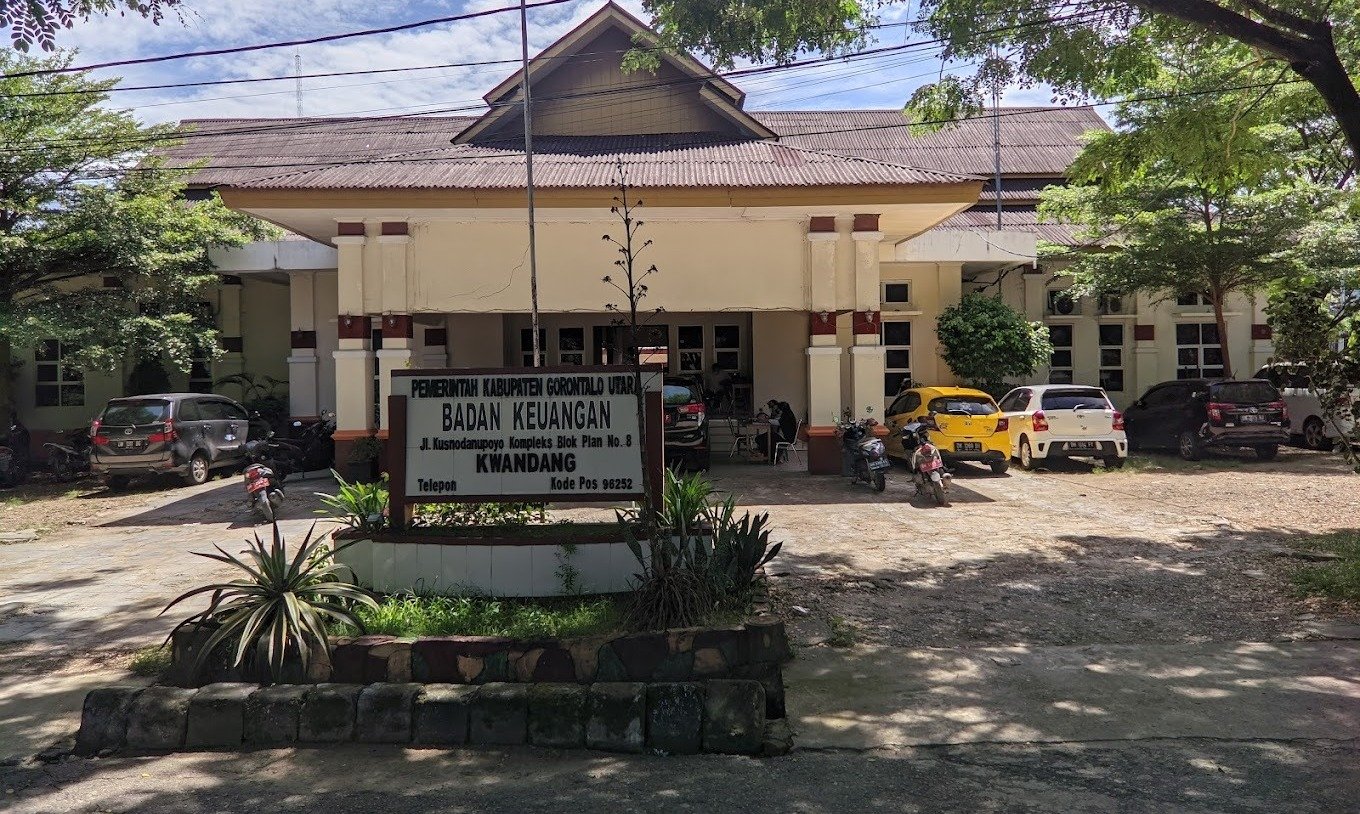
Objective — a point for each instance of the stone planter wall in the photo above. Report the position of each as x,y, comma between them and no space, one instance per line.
754,651
725,716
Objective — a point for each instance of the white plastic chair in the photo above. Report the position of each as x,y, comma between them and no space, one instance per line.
740,440
794,447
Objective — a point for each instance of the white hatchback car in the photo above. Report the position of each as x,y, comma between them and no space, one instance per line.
1306,416
1064,421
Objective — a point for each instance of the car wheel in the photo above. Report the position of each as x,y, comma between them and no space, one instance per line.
198,473
1026,455
1114,463
117,483
1267,452
1190,448
1315,435
1000,467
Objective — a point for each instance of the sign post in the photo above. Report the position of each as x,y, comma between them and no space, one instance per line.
567,434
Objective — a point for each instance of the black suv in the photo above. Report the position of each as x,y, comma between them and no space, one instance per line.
186,434
1192,415
686,423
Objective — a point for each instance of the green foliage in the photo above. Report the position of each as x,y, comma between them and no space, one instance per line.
281,603
361,506
151,661
433,615
759,30
365,449
568,575
265,395
1338,579
37,21
436,515
983,341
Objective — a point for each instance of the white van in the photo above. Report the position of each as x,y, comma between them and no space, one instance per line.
1306,417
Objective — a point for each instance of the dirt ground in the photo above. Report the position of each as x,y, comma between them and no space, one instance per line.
1162,552
46,506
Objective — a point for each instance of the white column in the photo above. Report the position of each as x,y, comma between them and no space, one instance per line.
303,363
353,388
867,358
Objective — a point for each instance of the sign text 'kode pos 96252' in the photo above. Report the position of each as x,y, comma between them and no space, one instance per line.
522,434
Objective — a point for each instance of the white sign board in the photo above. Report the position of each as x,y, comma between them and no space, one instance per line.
530,435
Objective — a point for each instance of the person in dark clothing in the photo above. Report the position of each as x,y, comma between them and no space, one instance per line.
783,427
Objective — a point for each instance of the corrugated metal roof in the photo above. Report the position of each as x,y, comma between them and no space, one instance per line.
817,148
1018,219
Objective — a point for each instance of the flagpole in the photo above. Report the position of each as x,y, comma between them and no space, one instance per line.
529,178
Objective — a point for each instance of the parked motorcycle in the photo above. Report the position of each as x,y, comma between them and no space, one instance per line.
312,446
863,455
928,474
72,459
264,476
14,454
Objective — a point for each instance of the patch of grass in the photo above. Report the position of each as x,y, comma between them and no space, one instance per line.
1143,463
843,632
1336,579
408,615
151,661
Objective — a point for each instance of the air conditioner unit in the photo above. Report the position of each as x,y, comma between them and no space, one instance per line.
1061,304
1111,304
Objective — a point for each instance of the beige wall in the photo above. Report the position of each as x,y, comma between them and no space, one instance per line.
779,359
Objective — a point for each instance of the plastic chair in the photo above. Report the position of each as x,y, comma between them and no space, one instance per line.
791,448
740,440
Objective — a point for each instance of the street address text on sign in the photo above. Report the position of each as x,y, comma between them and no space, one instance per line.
513,434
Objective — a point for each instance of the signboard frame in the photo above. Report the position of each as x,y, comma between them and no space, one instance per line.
652,438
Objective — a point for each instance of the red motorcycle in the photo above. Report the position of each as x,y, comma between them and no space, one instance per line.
927,466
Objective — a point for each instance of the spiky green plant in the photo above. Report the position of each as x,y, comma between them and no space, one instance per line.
282,600
361,506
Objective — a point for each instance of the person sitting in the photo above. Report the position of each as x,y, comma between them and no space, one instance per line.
783,427
718,388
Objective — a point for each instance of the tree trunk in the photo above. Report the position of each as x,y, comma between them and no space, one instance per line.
1326,73
1222,333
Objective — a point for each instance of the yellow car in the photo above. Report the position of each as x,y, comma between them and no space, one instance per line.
970,427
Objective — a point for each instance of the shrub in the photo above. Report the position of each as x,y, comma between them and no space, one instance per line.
431,615
361,506
432,515
984,340
281,603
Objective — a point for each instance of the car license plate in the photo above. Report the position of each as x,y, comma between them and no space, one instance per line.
877,465
1253,419
1081,444
967,446
127,444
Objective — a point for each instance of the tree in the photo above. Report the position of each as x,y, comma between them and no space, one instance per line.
1197,195
31,21
1081,48
81,200
984,341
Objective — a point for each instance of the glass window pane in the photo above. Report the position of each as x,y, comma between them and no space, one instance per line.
47,373
1112,380
1209,333
1187,357
892,382
690,337
45,395
1187,299
1187,334
572,339
47,351
1213,372
896,292
1060,377
897,333
727,360
1111,357
1061,358
1111,335
1060,335
1187,373
898,360
1213,355
573,359
691,361
727,336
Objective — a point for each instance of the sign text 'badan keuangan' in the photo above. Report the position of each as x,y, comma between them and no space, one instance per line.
544,433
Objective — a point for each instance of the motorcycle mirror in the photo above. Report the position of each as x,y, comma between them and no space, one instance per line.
297,423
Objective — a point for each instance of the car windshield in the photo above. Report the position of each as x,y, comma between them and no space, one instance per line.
963,405
1086,398
676,394
1256,392
128,413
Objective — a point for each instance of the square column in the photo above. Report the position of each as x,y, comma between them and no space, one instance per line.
353,379
824,405
867,359
349,244
1146,359
394,240
303,364
231,362
867,364
396,354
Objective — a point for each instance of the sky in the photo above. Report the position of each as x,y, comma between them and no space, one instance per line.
881,81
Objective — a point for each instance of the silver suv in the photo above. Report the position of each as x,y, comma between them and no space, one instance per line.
185,434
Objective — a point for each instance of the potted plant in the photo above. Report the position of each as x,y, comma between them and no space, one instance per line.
362,508
363,460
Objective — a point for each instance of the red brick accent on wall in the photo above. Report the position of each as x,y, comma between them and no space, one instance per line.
1145,333
302,339
866,223
436,337
1261,331
867,322
822,223
395,227
352,327
397,326
822,323
349,229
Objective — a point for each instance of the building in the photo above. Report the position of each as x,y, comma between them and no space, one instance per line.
806,251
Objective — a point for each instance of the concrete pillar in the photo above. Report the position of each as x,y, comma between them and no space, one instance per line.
1146,359
396,354
394,240
354,354
1036,295
303,363
866,354
232,361
431,345
824,352
349,244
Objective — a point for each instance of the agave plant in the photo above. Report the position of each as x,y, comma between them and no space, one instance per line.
361,506
280,603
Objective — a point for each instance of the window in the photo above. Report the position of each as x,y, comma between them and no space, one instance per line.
234,412
1165,396
1112,358
571,346
1077,398
1194,300
200,375
727,347
59,384
906,403
188,410
896,335
1198,354
1015,402
690,343
963,405
1060,363
896,293
526,344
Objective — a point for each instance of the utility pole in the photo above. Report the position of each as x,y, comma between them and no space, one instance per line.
529,177
297,72
996,145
